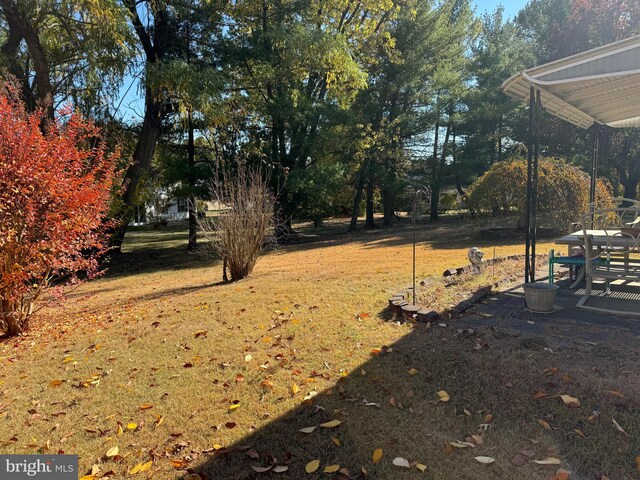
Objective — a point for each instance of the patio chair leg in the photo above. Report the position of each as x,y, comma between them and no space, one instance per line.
587,292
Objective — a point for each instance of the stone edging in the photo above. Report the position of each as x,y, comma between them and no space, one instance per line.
399,303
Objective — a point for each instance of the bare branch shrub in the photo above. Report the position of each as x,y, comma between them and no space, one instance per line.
244,222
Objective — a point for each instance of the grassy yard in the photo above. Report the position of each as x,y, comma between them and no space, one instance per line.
171,366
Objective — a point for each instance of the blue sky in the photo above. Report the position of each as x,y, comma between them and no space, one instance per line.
511,7
132,104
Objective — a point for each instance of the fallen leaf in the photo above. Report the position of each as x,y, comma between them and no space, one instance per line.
336,441
377,455
421,467
544,424
280,468
294,389
618,427
569,401
132,426
56,383
401,462
234,406
331,468
307,429
485,460
312,466
562,474
145,406
615,393
412,371
248,358
444,396
638,463
461,444
331,424
548,461
112,452
260,469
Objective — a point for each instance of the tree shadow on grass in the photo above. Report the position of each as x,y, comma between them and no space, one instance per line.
392,402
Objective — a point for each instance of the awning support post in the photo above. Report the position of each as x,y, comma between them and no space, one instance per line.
594,163
527,220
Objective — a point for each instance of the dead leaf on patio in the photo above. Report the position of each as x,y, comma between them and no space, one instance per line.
331,468
331,424
569,401
548,461
544,424
485,460
312,466
401,462
377,455
618,427
307,429
112,452
443,395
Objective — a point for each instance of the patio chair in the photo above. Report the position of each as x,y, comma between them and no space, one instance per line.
611,248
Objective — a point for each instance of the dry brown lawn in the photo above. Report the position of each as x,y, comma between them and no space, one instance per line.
161,360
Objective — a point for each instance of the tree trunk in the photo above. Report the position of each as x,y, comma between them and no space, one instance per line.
369,220
25,29
191,200
357,199
142,157
10,318
388,204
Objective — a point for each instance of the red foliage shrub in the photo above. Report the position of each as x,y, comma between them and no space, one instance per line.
55,189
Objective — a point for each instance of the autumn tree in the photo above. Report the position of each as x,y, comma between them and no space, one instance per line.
55,191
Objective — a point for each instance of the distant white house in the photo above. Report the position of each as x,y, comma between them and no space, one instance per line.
161,208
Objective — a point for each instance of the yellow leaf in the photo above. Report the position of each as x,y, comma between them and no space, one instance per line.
113,451
336,441
88,477
234,406
295,389
412,371
331,424
312,466
119,429
217,446
569,401
544,424
145,406
146,466
444,396
135,469
159,420
331,468
377,455
421,467
56,383
132,426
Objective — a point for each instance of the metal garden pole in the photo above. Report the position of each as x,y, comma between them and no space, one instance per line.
419,190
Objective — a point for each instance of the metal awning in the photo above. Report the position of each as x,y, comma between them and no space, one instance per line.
598,86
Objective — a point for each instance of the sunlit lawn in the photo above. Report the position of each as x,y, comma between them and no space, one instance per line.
161,360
